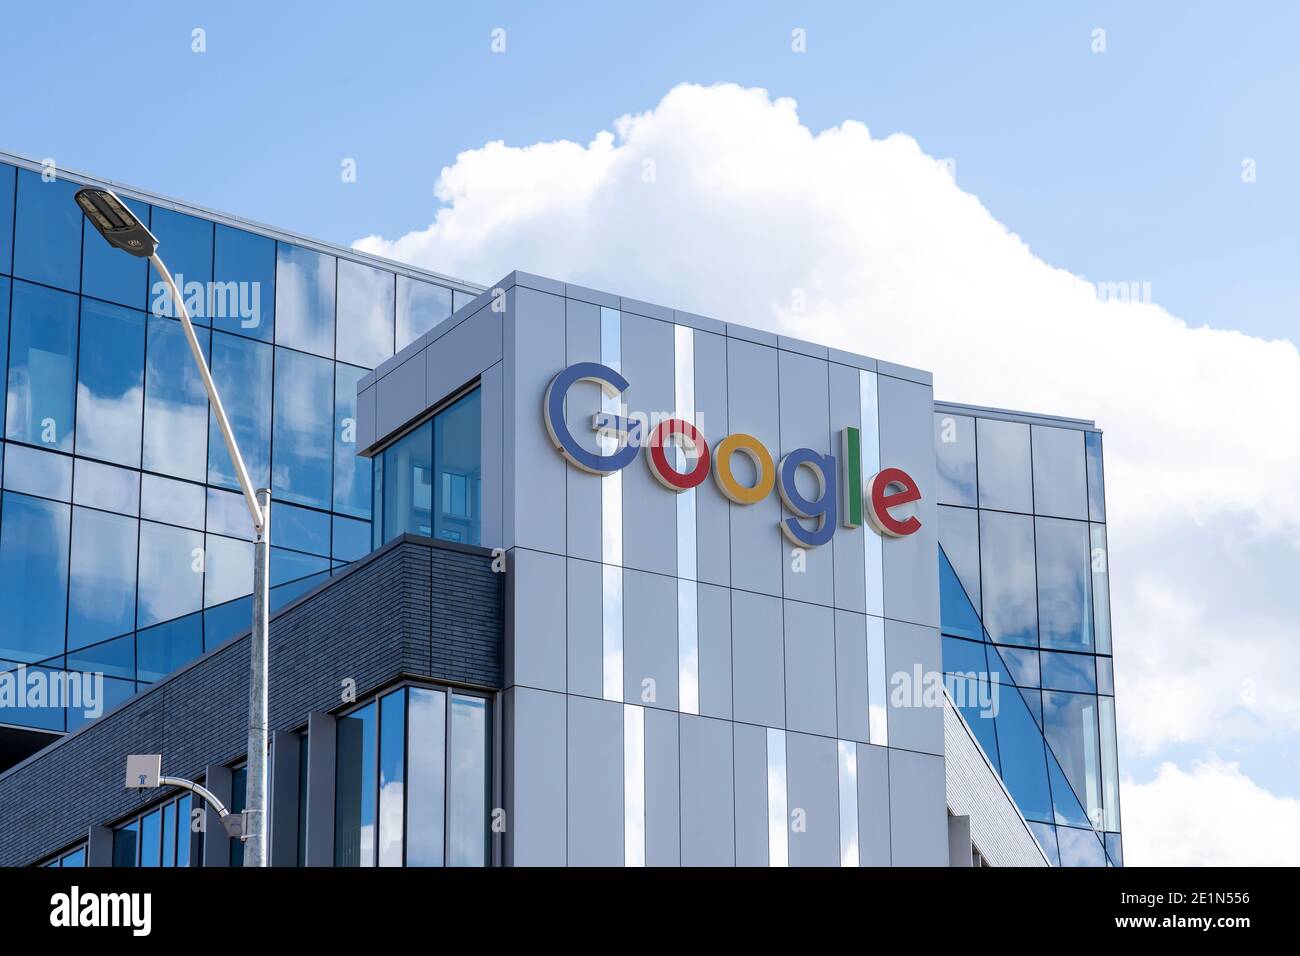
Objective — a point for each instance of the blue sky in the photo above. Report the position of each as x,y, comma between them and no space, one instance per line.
1093,159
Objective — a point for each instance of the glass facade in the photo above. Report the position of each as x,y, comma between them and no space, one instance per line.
162,836
428,481
1025,606
124,547
413,782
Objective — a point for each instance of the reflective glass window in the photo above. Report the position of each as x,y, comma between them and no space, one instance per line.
959,536
106,487
110,382
172,502
301,529
228,571
126,844
1060,481
469,793
241,369
42,367
43,717
1096,483
1070,726
1109,764
184,829
102,595
1080,847
1007,577
287,566
1105,676
1100,557
420,306
171,573
226,620
457,461
1074,672
354,788
392,776
169,834
33,577
32,471
956,614
365,314
426,777
75,858
351,472
461,299
47,232
151,839
408,484
116,692
8,178
109,273
303,465
243,283
175,403
1023,760
228,514
113,658
162,649
1005,476
954,446
1021,664
1064,583
351,539
5,288
304,300
1045,834
185,247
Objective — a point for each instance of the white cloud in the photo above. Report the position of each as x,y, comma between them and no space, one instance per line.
1211,816
720,202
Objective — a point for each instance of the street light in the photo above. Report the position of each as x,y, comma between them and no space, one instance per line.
118,225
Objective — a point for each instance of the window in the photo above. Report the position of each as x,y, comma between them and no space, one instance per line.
420,306
351,472
33,577
171,573
304,300
1005,476
303,464
243,284
1007,577
428,482
161,836
47,227
42,367
241,369
954,444
365,314
7,185
102,595
185,247
414,785
1064,584
110,382
175,404
1060,481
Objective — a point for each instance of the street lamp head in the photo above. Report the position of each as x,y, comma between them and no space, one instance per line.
115,222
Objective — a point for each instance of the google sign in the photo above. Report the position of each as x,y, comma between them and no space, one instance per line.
878,496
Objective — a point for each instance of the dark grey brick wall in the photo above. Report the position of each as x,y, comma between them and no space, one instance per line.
415,607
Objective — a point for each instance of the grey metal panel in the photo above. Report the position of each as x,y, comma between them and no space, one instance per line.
366,435
584,640
535,350
810,668
700,322
758,665
851,359
811,349
531,281
216,845
322,739
461,354
649,509
757,546
595,782
873,805
594,296
708,820
650,639
536,778
812,781
750,748
918,726
918,810
399,397
805,423
911,569
905,372
535,620
851,676
648,309
662,795
583,496
712,509
99,846
847,547
746,334
491,432
713,608
284,799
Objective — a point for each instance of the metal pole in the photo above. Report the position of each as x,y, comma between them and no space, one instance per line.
256,801
259,509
